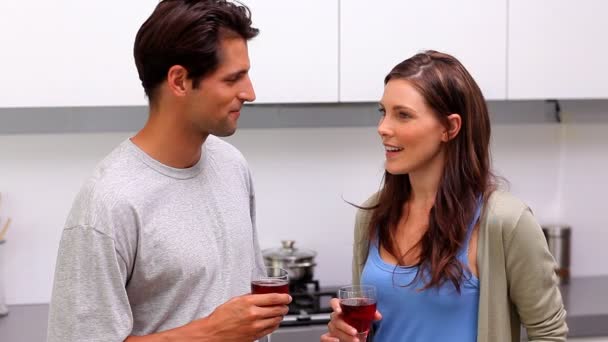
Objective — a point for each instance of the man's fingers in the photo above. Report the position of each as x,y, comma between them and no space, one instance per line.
269,325
270,299
273,311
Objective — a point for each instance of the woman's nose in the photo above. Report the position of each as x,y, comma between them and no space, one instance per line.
384,127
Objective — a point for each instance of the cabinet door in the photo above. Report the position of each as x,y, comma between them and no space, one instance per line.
375,36
295,56
70,52
557,49
80,53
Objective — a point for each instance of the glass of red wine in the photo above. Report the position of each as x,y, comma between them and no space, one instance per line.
269,280
358,304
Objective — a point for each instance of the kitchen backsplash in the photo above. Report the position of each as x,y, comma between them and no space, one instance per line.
303,178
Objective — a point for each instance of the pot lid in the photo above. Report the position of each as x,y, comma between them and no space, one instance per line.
288,252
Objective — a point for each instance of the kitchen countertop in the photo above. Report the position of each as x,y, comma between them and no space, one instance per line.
586,300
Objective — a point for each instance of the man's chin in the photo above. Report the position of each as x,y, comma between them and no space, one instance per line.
224,132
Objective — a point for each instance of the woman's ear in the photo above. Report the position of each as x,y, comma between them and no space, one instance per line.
454,124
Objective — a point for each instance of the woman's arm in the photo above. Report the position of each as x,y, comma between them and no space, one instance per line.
533,286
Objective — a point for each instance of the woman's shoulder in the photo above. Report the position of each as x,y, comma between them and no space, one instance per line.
363,213
504,202
363,217
371,200
503,211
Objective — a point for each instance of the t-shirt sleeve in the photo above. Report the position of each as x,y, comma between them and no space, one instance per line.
256,243
89,300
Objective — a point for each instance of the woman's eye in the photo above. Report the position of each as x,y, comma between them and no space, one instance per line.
381,111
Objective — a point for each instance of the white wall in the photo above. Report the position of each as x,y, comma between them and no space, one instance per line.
39,177
585,188
302,177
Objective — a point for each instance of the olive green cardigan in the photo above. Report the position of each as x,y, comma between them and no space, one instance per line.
517,282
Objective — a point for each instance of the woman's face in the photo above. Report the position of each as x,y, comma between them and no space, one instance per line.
411,133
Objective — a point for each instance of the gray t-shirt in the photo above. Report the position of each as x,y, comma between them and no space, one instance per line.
148,247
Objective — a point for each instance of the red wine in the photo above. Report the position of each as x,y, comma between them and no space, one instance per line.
269,286
358,312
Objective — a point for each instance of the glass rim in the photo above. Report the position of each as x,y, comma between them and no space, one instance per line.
357,288
282,273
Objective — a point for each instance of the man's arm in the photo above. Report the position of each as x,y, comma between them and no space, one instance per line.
90,303
89,300
244,318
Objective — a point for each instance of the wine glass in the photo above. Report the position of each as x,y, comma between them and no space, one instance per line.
269,280
358,304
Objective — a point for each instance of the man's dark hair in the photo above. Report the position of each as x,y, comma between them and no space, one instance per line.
187,33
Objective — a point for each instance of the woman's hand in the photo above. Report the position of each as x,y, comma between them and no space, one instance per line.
339,330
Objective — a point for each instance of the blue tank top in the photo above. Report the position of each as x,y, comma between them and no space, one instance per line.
435,314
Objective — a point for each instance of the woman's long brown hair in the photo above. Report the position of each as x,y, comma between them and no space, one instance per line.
447,88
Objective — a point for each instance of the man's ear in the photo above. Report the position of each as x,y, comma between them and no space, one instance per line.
177,80
454,125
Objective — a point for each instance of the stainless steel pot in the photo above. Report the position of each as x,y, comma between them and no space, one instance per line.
299,263
558,240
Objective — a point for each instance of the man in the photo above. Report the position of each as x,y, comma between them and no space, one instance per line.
161,241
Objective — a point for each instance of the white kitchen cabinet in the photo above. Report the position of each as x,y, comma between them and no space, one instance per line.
557,49
70,52
375,36
295,56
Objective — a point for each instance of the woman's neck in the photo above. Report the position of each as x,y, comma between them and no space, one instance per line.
425,182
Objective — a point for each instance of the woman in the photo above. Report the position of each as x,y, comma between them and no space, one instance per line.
452,257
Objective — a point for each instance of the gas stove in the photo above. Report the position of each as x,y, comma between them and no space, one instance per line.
310,304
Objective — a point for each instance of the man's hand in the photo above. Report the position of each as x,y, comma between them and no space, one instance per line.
244,318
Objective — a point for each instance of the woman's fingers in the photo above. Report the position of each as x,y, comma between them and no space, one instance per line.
328,338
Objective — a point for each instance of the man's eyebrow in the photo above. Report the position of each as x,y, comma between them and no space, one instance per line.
237,73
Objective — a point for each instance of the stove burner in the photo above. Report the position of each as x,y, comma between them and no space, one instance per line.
304,286
306,299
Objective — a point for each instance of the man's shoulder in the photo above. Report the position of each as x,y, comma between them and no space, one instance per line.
102,192
115,172
223,151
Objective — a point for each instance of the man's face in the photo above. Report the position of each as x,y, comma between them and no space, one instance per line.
215,106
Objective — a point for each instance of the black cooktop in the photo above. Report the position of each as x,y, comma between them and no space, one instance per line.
310,304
